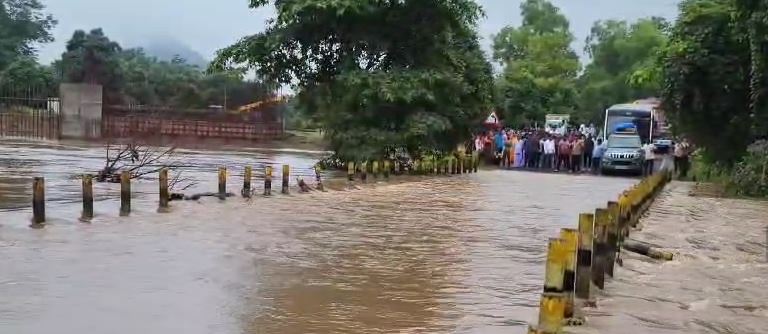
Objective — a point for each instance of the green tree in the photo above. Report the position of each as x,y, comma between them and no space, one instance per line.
27,73
752,23
540,68
621,55
22,25
706,70
93,58
379,75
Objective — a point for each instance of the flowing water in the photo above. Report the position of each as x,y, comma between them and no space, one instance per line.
717,282
459,254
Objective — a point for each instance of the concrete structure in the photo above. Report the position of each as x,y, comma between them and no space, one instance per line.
81,106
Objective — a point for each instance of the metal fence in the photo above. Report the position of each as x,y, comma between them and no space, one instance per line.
29,111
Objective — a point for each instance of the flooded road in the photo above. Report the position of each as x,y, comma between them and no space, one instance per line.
62,164
460,254
715,285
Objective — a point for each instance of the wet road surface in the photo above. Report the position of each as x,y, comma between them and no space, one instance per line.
461,254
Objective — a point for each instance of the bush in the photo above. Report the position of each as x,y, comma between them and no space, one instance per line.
750,175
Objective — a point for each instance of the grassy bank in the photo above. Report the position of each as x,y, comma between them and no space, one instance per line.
746,179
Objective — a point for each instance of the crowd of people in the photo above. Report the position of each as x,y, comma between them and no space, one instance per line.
578,150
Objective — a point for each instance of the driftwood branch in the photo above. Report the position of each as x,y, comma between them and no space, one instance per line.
138,160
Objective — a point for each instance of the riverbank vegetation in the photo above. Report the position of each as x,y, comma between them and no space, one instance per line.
714,85
409,78
381,77
129,76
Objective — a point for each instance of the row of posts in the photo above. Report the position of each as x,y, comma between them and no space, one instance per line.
432,166
579,260
451,165
38,191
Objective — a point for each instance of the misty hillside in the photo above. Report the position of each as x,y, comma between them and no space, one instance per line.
167,48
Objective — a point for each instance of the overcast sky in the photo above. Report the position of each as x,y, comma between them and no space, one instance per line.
207,25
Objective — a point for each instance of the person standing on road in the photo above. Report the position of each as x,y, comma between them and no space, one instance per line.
577,149
519,152
650,157
531,151
589,146
549,152
498,144
682,158
597,155
563,154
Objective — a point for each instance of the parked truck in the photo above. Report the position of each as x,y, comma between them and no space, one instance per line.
556,123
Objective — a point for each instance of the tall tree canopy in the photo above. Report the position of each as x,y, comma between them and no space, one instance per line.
22,25
714,76
379,75
131,76
93,58
540,68
618,50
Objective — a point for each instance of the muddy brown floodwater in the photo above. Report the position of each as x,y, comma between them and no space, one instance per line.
460,254
717,282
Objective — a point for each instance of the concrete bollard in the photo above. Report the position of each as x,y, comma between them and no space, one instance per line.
125,193
584,257
38,201
555,269
570,239
87,213
612,237
551,311
387,169
246,192
623,217
164,195
600,247
375,169
286,176
222,183
318,179
364,171
268,181
350,171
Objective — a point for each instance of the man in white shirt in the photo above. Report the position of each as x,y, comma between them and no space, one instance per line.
650,157
548,147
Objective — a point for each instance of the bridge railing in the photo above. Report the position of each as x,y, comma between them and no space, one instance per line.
578,260
379,170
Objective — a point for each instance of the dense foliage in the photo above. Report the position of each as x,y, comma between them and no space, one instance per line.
619,50
22,26
128,76
131,77
378,75
750,175
714,84
540,68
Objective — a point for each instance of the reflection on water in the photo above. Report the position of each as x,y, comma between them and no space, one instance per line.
461,254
